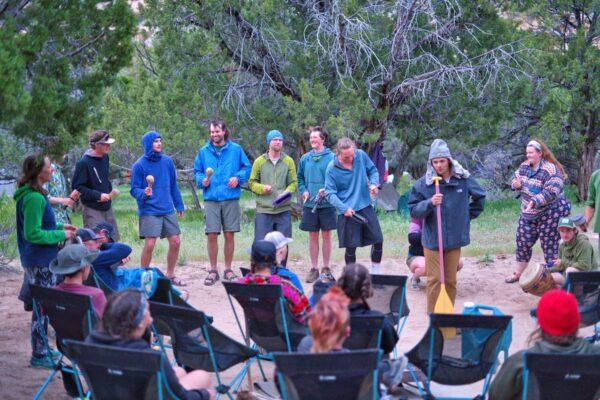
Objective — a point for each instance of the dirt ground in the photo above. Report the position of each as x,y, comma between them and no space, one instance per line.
481,284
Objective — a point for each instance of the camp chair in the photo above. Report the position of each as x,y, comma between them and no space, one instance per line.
442,361
72,316
198,345
586,288
114,373
339,375
389,297
561,376
365,332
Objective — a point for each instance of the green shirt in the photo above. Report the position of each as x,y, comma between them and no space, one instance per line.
282,178
593,199
577,254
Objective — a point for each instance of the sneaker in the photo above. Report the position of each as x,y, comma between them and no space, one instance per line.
55,353
414,282
326,275
41,362
313,275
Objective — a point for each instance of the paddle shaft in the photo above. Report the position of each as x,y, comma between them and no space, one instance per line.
438,211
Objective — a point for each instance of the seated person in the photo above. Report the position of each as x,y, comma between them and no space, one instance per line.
416,257
575,252
262,259
105,231
74,262
329,324
124,324
356,284
558,320
281,244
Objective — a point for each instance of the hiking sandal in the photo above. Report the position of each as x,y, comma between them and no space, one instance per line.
211,278
512,278
177,281
229,275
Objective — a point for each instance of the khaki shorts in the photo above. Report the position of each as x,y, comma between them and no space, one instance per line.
92,217
222,216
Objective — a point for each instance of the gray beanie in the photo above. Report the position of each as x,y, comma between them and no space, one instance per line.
439,149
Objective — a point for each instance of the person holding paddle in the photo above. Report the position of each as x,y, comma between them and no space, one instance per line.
446,198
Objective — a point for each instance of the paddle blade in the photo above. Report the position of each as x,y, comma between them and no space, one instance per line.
444,305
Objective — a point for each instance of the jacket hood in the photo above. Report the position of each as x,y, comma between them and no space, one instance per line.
147,141
325,152
21,192
579,346
579,238
100,337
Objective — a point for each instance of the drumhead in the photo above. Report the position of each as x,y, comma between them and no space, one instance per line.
531,274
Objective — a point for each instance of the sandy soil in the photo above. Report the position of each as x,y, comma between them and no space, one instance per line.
477,283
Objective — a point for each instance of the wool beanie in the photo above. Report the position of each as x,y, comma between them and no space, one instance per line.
558,313
274,134
439,149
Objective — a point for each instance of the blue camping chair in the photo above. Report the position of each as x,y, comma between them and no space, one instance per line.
586,288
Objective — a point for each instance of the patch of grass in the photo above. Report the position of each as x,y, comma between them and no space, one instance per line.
492,233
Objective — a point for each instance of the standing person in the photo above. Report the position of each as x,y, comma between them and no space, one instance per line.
221,192
351,180
461,199
311,184
273,176
38,236
575,252
593,202
60,199
158,198
540,181
91,180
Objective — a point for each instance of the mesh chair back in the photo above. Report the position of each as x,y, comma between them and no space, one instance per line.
389,296
95,281
164,294
70,314
193,339
586,288
263,316
561,376
340,375
365,332
244,271
114,373
441,359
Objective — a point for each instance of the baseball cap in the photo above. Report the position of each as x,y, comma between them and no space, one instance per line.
263,251
278,239
106,227
87,234
566,223
100,137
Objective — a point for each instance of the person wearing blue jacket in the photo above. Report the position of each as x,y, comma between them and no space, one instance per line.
351,180
220,169
317,214
461,199
154,187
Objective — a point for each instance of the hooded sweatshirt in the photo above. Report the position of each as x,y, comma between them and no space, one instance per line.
38,234
463,201
349,188
577,254
311,175
165,192
108,261
91,179
508,382
101,338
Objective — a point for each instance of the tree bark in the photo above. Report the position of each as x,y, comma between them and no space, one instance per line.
588,156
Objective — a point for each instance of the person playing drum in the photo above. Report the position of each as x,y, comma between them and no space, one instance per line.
575,252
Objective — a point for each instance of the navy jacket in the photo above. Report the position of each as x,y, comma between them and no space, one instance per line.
91,179
108,260
463,201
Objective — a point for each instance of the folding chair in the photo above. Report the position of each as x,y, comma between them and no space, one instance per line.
72,316
586,288
365,332
389,297
340,375
561,376
442,361
114,373
198,345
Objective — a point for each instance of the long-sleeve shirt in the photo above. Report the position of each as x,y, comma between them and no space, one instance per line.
593,199
91,179
281,176
579,253
542,186
349,188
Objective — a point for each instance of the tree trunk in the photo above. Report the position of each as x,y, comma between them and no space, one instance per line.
192,186
588,156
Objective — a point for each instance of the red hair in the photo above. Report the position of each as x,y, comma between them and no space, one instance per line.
549,156
329,320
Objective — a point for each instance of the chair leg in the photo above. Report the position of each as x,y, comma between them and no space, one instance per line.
262,372
45,384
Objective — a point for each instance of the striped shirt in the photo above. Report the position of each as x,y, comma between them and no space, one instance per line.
542,186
